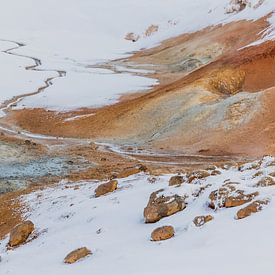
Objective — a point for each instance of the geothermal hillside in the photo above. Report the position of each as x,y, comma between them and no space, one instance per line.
137,137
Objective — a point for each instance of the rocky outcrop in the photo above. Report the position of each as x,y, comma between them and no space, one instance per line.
201,220
105,188
176,180
163,233
253,207
160,206
227,81
228,196
20,233
76,255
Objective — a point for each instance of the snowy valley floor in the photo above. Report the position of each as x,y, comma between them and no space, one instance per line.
68,216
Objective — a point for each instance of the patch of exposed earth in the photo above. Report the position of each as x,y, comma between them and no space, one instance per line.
215,98
214,105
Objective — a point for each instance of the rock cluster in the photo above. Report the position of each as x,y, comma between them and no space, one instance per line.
228,196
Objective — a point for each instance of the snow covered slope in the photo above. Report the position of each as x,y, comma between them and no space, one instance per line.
69,216
71,35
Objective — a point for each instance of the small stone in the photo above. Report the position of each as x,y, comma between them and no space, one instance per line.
176,180
253,207
105,188
163,233
20,233
76,255
258,174
215,172
201,220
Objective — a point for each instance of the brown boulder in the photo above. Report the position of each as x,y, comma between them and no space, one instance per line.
163,233
253,207
176,180
200,174
162,206
76,255
228,196
20,233
201,220
105,188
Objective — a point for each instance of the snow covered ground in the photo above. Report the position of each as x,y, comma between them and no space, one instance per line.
69,216
71,35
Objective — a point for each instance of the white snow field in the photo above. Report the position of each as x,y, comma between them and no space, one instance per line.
113,227
71,35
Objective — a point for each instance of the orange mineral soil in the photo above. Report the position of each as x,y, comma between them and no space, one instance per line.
216,97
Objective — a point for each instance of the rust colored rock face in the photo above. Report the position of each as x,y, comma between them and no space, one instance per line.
253,207
76,255
163,233
105,188
201,220
176,180
228,196
159,207
20,233
227,81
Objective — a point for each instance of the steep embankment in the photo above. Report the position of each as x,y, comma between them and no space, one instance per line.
216,97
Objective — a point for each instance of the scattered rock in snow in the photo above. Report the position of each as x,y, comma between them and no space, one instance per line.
272,174
132,37
253,207
105,188
152,179
266,181
200,174
201,220
176,180
150,30
215,172
258,174
228,196
20,233
236,6
76,255
162,206
163,233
